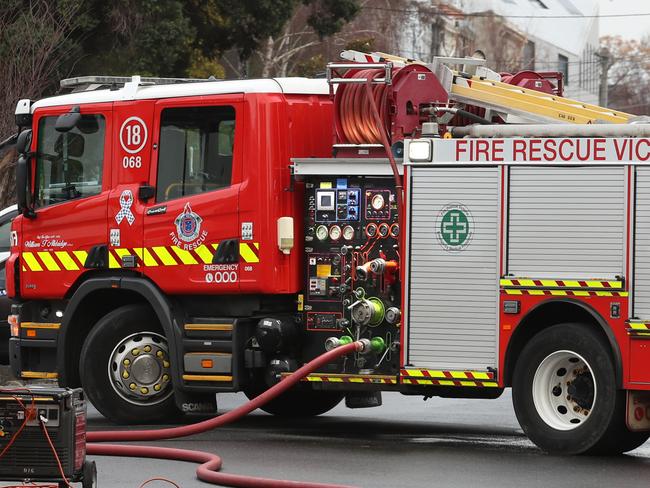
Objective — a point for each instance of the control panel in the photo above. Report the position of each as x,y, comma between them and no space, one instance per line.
352,255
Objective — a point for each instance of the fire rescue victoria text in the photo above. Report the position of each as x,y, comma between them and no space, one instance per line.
541,150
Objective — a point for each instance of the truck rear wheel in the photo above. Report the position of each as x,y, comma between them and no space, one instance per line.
299,402
125,367
565,396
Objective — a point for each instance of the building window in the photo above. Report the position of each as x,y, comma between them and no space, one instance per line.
529,56
196,150
563,67
69,164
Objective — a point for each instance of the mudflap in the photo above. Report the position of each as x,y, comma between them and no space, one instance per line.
201,404
637,415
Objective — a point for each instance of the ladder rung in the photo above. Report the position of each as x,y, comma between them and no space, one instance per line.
509,98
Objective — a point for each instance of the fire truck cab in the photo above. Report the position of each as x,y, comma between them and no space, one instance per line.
153,191
180,239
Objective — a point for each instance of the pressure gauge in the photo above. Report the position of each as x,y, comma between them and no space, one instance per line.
394,230
371,230
377,202
321,232
383,230
335,232
348,233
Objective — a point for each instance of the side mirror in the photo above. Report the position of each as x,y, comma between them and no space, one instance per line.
24,141
68,121
22,187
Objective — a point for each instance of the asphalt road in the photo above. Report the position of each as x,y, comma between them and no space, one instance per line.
405,443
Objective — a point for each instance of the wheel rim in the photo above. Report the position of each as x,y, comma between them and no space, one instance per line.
138,369
564,390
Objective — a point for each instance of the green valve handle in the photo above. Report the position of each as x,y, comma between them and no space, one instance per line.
345,340
377,345
378,311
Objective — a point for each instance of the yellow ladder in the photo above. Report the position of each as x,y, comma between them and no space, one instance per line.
530,104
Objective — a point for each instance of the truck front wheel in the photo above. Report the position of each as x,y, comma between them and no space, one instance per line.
125,367
565,396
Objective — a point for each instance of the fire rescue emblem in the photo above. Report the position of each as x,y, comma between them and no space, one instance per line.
454,227
188,224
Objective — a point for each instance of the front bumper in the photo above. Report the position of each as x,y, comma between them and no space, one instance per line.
5,334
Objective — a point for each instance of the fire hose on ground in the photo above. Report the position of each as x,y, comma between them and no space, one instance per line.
208,471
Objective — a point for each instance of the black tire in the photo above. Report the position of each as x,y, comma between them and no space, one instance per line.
299,402
89,475
600,431
110,330
619,438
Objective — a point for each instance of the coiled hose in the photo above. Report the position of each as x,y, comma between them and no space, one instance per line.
211,463
356,123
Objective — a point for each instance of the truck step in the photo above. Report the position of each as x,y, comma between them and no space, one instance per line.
209,328
363,399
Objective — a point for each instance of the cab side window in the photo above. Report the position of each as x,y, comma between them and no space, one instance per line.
69,164
5,231
196,150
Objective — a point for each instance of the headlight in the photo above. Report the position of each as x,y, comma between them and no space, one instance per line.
420,151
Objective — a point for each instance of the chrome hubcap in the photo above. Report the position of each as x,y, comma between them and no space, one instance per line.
139,369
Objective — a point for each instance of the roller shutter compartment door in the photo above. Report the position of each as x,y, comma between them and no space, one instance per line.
453,274
642,245
567,222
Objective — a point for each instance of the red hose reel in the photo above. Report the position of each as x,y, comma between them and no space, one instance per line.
399,103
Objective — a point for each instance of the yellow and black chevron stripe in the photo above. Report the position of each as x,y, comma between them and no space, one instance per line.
424,377
351,378
578,288
636,328
145,257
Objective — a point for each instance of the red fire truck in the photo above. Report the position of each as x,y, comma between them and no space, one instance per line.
181,238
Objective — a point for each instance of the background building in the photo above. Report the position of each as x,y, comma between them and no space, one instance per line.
513,36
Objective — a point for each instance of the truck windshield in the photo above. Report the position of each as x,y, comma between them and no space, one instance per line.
69,164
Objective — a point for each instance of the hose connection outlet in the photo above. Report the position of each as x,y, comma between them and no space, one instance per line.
334,342
366,346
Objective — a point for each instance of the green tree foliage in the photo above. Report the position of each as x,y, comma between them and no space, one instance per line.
310,67
364,44
148,37
329,16
242,24
43,41
38,40
245,24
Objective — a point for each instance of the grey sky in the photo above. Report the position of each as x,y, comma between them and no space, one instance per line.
629,27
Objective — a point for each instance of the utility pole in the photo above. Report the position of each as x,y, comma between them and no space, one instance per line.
604,56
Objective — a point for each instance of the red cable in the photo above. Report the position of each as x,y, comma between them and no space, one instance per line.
363,113
389,152
56,455
211,462
22,426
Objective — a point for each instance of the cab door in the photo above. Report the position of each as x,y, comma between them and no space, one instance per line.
72,180
132,134
191,231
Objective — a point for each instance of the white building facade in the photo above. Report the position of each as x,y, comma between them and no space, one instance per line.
514,35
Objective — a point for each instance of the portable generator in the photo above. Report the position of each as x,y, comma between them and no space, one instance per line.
28,416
